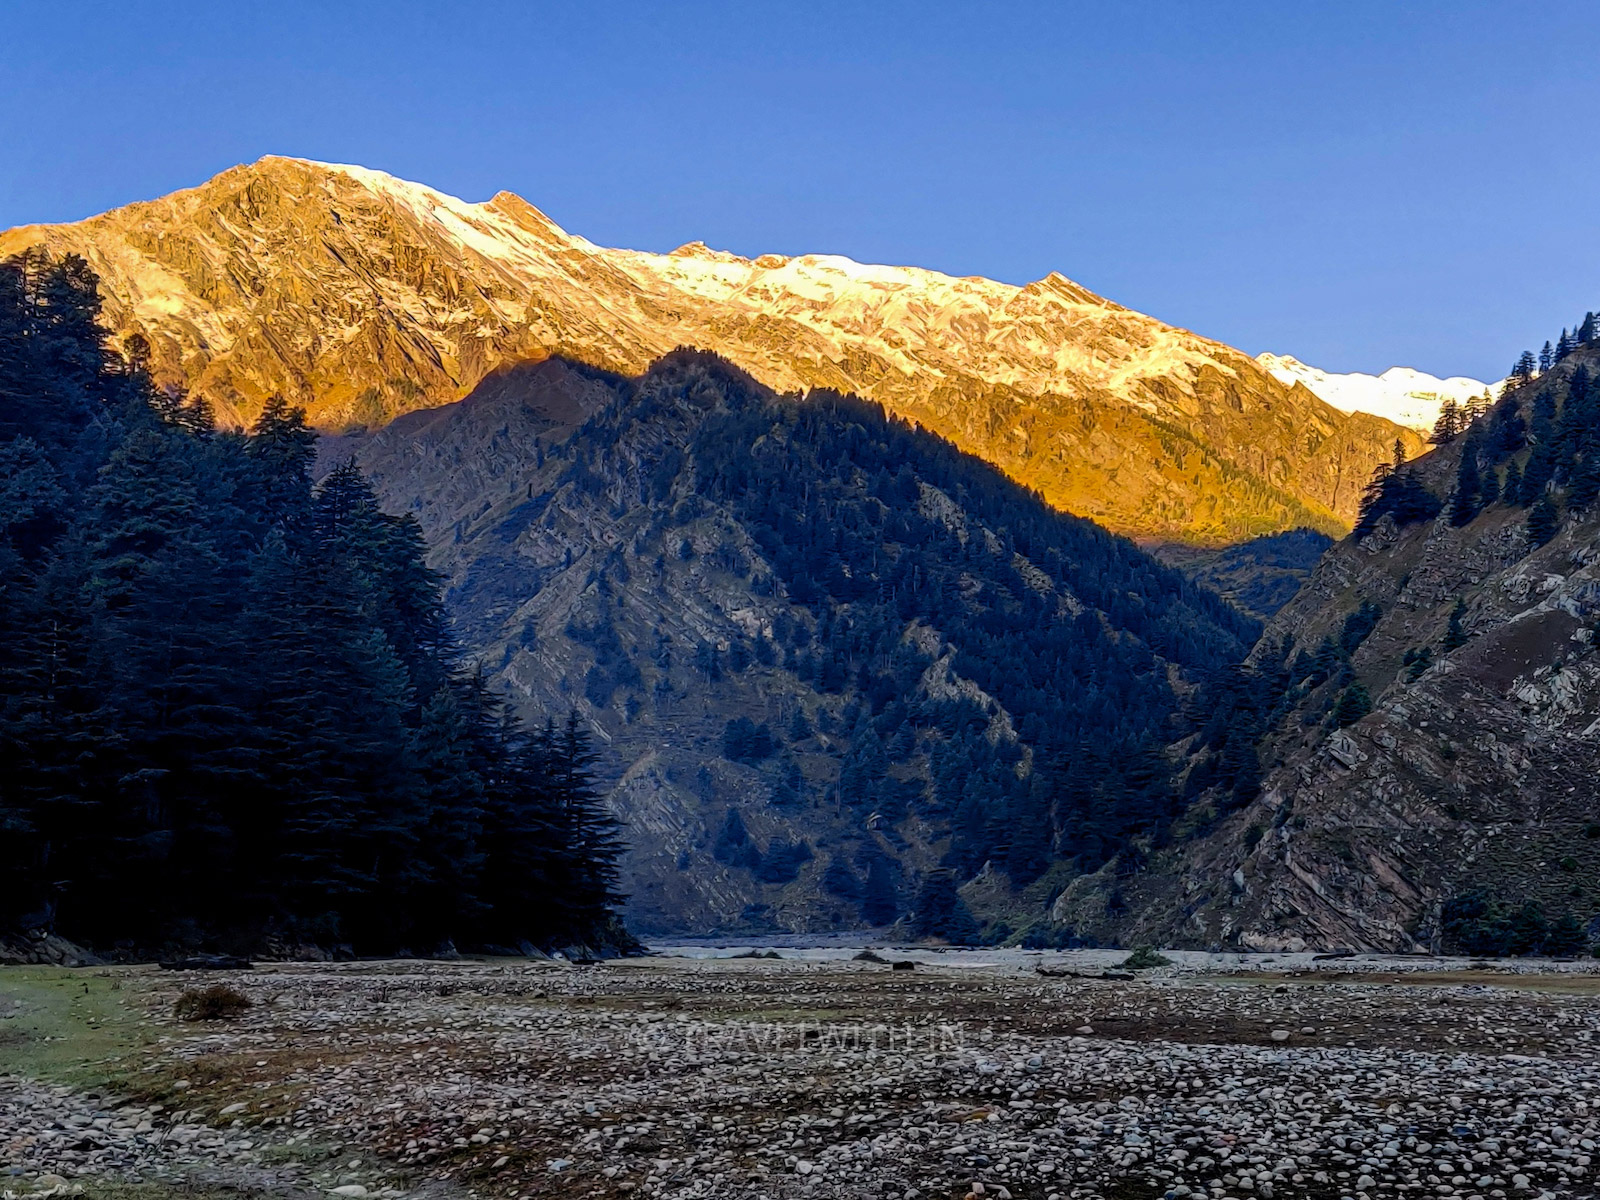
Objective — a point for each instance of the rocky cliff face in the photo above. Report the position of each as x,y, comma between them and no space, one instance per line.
598,559
364,297
1474,770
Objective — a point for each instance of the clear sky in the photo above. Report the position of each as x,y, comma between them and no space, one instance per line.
1357,184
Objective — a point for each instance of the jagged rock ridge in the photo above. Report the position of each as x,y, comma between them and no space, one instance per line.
363,297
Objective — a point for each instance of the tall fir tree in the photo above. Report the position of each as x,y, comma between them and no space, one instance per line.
1542,522
1467,497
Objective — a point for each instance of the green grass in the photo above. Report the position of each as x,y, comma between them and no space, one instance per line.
67,1026
102,1188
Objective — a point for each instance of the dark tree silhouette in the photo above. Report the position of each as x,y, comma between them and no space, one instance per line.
230,709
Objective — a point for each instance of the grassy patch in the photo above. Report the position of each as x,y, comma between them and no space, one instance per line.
101,1188
72,1026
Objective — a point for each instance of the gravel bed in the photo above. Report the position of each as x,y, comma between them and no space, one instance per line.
698,1077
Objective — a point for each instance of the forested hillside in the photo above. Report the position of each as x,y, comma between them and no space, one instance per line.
231,710
839,665
1260,575
1408,758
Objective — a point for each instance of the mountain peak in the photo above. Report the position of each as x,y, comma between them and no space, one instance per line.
702,251
363,296
533,219
1057,284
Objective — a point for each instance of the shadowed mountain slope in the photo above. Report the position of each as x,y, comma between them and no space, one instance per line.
828,654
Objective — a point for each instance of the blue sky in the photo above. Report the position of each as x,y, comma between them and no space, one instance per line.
1359,185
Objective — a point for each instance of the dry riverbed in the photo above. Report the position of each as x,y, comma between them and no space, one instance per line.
813,1075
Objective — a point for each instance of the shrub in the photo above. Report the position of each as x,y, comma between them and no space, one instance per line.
219,1002
1567,937
1144,958
1050,937
1478,923
996,933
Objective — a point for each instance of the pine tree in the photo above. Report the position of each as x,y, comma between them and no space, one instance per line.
879,903
457,765
1448,426
229,706
940,912
1372,505
839,880
1542,522
282,449
1546,358
1511,489
1581,412
1537,474
799,725
1421,660
1465,502
1455,635
1031,829
1488,489
1507,432
593,836
1354,703
525,844
733,847
1585,488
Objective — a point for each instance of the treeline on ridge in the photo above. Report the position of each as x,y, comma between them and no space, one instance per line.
230,706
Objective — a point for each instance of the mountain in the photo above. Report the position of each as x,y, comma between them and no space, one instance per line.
1408,758
828,656
364,297
1402,395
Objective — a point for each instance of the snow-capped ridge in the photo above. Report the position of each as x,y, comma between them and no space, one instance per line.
364,296
1403,395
